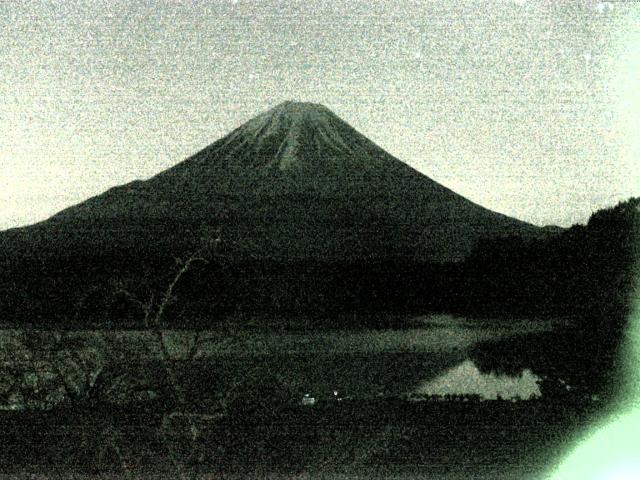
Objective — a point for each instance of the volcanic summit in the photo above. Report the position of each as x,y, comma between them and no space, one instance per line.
294,182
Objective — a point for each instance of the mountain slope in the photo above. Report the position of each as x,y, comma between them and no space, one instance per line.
293,182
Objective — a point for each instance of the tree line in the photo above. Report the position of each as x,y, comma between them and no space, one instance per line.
586,272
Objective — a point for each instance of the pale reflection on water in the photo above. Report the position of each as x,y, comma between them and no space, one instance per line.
467,379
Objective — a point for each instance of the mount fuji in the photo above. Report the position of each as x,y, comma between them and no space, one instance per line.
295,182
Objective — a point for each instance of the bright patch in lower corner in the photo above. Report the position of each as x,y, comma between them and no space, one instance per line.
612,452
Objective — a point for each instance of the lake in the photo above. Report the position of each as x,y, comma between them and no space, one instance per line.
432,357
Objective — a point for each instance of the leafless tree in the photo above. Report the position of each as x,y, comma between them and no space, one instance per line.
80,379
154,309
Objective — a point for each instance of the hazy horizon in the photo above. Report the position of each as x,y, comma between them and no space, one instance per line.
529,108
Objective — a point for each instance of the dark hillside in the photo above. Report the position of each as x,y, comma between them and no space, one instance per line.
586,270
587,273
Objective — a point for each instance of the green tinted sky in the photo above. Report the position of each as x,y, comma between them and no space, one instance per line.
529,108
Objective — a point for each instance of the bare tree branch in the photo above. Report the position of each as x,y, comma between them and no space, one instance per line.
168,296
154,310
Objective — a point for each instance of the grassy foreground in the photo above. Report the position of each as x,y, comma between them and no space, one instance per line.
374,439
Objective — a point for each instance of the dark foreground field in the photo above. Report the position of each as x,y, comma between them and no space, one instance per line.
373,439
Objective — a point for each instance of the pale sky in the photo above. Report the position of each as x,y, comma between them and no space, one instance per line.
530,108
